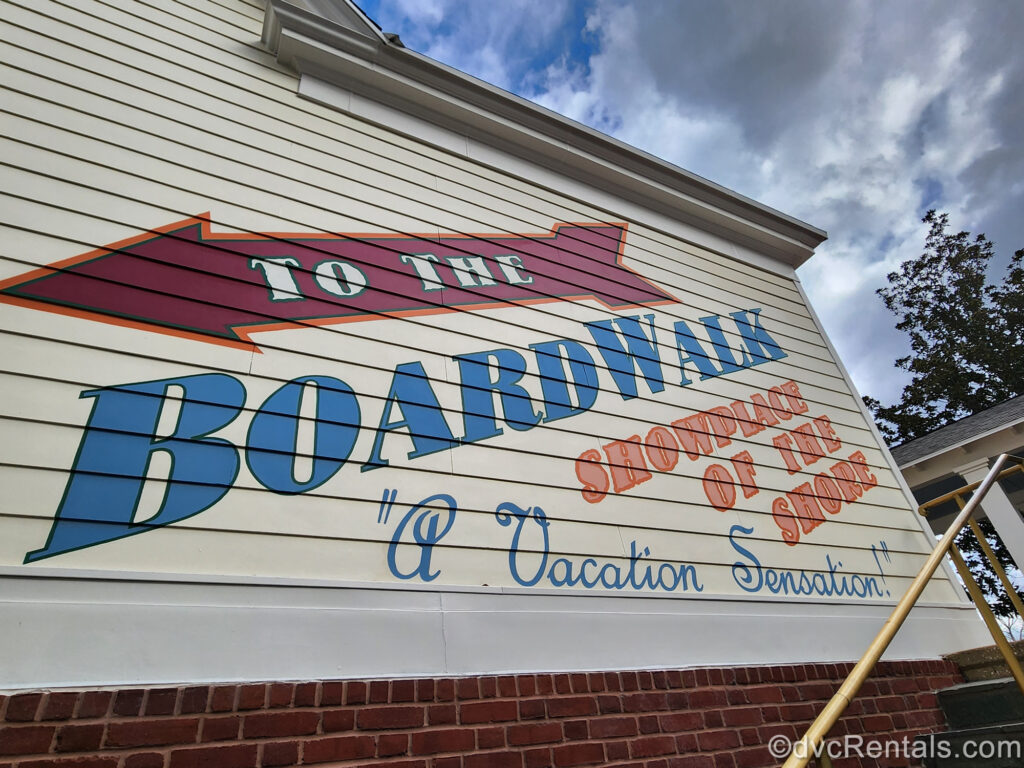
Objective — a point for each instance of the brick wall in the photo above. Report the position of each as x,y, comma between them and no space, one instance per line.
701,718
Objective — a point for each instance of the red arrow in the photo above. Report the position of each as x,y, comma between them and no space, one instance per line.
185,280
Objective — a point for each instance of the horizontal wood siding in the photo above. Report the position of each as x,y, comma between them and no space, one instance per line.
121,118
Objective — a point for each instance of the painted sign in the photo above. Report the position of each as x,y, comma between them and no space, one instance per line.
184,279
620,440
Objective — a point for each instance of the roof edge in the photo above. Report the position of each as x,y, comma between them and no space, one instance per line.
359,58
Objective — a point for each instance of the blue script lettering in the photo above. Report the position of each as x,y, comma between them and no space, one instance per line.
751,576
426,532
588,572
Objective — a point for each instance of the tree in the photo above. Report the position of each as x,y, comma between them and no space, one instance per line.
966,340
967,354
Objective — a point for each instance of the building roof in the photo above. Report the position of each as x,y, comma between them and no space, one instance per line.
1005,414
334,41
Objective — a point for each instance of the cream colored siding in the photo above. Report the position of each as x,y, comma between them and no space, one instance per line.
121,117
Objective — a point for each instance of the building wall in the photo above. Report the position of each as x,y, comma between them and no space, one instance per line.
245,439
696,717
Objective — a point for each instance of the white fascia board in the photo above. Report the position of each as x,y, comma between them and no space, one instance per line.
402,79
963,444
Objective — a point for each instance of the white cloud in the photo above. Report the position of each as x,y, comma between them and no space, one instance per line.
855,117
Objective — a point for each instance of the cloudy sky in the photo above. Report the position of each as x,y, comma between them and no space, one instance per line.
856,117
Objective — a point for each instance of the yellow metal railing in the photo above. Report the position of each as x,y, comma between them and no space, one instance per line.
804,750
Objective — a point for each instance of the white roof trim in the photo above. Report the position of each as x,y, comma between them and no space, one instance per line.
355,55
1008,427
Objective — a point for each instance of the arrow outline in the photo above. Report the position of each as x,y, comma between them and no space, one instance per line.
242,331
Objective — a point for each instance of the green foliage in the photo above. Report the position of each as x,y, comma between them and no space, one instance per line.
967,354
967,350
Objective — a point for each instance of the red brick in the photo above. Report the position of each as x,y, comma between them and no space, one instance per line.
490,738
488,687
193,700
648,724
79,738
792,712
533,733
233,756
392,744
692,761
306,694
652,746
273,725
22,707
876,723
765,694
223,698
128,703
611,727
645,702
681,721
446,762
444,689
576,730
94,703
562,683
707,697
161,701
573,706
337,748
713,718
488,712
333,693
616,750
711,741
608,704
152,733
59,706
442,714
758,757
448,740
378,692
724,760
578,754
252,696
335,720
355,692
467,688
277,753
221,728
403,690
26,739
537,758
507,686
385,718
280,695
742,716
493,760
145,760
531,709
686,742
90,761
545,684
425,690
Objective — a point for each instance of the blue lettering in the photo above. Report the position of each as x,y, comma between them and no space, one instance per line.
271,448
422,416
553,384
106,482
478,415
761,346
639,352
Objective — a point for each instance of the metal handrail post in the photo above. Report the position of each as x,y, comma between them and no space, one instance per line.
804,749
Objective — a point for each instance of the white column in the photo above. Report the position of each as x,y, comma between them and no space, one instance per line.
998,508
